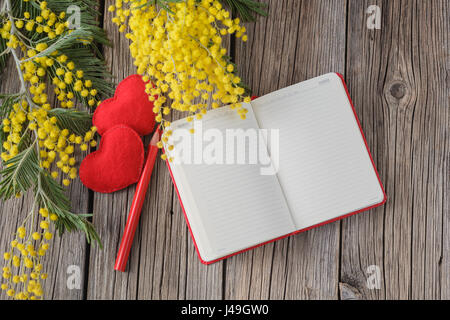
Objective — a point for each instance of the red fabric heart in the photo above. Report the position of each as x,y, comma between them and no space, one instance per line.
129,106
117,163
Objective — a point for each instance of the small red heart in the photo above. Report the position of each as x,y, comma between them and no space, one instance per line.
117,163
129,106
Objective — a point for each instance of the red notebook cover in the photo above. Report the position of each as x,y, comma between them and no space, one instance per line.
302,230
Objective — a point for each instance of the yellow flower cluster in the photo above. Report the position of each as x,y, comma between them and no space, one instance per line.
47,22
181,51
54,143
32,115
36,69
22,271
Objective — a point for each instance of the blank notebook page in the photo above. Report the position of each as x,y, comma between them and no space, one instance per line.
234,205
325,170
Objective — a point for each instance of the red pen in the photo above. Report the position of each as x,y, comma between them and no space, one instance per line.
136,206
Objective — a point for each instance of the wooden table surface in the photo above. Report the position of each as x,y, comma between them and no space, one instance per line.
398,78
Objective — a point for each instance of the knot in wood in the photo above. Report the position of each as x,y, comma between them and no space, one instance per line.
398,90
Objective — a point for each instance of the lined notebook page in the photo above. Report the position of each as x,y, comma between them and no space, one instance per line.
232,206
325,170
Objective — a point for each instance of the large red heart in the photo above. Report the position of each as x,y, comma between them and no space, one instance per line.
117,163
129,106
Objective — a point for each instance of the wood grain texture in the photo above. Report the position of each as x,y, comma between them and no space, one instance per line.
397,78
284,49
110,210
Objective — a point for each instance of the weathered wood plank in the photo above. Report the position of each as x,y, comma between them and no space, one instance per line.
397,79
65,251
366,229
110,210
429,54
68,256
441,32
162,264
299,40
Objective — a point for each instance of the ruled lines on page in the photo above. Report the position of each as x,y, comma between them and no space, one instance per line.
238,206
325,169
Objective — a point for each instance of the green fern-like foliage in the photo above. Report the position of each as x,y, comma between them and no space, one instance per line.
24,171
49,194
75,121
86,56
20,173
246,9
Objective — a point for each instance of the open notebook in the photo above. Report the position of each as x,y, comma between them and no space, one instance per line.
321,168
